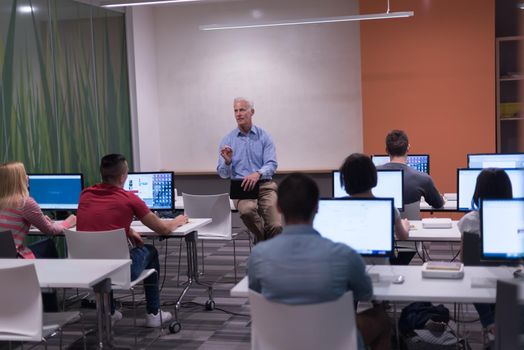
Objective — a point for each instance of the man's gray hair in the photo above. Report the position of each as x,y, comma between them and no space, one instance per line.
250,103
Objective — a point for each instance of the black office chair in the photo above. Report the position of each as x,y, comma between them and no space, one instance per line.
471,251
508,316
7,245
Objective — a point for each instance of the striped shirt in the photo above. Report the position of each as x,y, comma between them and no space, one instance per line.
19,221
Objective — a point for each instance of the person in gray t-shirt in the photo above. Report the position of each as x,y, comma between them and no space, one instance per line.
416,184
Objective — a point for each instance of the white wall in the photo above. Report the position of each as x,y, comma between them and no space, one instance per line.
143,89
305,81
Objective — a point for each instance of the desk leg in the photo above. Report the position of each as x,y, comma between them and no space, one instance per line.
103,310
192,276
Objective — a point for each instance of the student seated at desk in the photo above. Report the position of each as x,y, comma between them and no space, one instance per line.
299,266
358,175
491,183
416,184
18,211
107,206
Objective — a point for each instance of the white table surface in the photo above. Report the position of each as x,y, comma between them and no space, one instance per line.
418,233
450,205
416,288
71,273
192,225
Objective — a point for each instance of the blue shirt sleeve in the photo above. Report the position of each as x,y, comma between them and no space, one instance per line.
223,170
269,158
360,281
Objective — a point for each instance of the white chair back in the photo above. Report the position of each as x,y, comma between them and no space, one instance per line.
101,245
215,206
330,325
411,211
21,306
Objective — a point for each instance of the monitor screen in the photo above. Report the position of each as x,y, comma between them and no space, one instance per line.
502,228
56,191
467,179
418,162
390,184
154,188
514,160
365,224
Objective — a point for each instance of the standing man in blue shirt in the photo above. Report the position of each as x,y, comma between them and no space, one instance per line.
248,153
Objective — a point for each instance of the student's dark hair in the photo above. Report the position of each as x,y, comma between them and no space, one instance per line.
298,197
358,174
397,143
112,166
491,183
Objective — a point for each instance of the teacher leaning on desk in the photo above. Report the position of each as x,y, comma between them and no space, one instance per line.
248,153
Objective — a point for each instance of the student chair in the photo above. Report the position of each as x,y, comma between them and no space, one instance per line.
329,325
21,316
471,251
217,207
7,245
106,245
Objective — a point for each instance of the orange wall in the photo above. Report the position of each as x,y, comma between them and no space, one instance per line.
432,75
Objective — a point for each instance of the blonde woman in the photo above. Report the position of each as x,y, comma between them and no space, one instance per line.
18,211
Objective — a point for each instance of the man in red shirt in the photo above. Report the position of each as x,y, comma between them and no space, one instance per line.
107,206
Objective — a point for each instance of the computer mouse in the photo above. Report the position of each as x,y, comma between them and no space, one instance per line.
398,279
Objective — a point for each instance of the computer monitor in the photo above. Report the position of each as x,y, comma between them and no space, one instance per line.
56,191
502,228
494,160
418,162
365,224
154,188
390,184
467,179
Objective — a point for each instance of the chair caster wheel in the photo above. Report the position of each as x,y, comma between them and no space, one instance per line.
210,305
175,327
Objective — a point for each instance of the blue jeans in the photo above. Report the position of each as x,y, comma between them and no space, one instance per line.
486,313
142,259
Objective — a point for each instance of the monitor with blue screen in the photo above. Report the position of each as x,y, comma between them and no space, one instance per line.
418,162
502,228
467,179
56,191
496,160
390,184
156,189
364,224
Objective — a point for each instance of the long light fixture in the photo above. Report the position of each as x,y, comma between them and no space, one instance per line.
144,3
311,21
293,22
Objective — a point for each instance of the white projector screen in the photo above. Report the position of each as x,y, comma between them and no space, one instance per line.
305,82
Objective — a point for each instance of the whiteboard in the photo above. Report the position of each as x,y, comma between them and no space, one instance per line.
305,82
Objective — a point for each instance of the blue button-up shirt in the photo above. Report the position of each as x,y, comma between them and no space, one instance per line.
254,151
299,266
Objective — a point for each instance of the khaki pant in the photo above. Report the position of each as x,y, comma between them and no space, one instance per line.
261,216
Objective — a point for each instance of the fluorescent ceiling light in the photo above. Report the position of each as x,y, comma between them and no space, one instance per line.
521,6
159,2
26,9
371,16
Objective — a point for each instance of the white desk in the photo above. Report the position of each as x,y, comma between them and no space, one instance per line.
182,231
416,288
450,205
79,273
418,233
189,233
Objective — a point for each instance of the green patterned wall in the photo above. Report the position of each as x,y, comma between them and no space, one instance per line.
64,98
